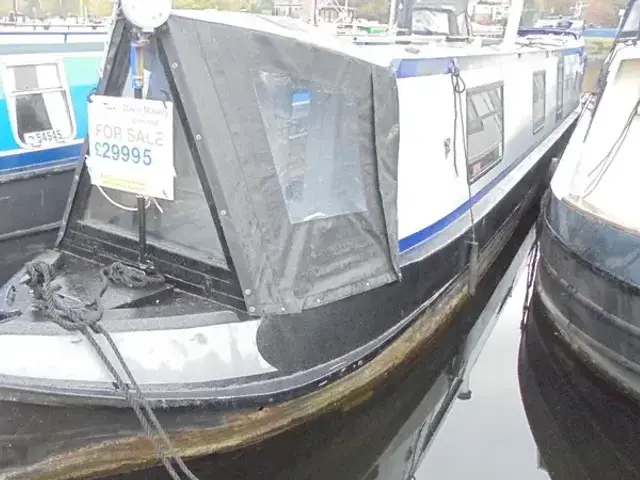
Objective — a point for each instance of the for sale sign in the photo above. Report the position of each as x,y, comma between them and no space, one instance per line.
131,145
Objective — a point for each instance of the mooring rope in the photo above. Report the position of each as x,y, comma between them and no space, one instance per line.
85,319
459,87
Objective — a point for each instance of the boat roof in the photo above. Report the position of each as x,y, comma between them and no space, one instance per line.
380,50
25,39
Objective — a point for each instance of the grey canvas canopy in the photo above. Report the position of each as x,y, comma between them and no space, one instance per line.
296,138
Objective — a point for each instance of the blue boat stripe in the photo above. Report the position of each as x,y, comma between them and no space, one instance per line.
417,238
422,67
600,32
573,51
30,158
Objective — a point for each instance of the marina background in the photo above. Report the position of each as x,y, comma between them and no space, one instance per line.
596,13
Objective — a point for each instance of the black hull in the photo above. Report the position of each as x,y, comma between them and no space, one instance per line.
344,441
33,202
586,283
584,429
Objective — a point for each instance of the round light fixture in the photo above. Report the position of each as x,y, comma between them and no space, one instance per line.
146,14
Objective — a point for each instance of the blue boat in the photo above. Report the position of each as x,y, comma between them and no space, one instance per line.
45,78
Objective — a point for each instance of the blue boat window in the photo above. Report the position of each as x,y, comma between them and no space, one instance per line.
484,129
183,226
39,104
313,136
539,100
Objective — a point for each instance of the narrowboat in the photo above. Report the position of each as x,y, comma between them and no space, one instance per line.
269,220
45,78
588,275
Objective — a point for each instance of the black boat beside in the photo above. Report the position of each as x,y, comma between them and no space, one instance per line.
588,275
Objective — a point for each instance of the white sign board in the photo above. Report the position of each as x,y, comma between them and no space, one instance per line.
131,145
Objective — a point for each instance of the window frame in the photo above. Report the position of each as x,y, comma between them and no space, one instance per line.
472,91
560,70
298,83
536,125
35,61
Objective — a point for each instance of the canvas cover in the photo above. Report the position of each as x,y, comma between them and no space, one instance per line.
298,136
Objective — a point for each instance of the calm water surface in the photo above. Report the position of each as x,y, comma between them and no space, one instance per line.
488,436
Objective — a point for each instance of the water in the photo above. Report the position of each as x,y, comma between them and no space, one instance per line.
491,428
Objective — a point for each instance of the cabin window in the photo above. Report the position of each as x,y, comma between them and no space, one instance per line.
430,22
485,140
312,131
183,226
39,104
539,100
560,89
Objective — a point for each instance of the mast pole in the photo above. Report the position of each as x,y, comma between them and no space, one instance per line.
393,6
137,71
513,23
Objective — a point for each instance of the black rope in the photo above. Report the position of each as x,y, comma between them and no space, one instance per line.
601,81
604,164
459,87
85,319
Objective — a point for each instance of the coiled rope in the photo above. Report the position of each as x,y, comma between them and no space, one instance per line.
85,319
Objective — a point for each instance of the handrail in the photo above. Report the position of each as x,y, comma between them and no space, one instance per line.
48,32
61,38
48,26
524,31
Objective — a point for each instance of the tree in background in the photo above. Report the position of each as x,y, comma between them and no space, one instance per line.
604,12
600,12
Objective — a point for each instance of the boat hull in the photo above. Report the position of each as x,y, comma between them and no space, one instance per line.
80,451
39,152
36,200
585,285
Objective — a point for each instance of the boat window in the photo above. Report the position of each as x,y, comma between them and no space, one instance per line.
312,131
183,226
484,129
39,104
430,22
539,100
560,89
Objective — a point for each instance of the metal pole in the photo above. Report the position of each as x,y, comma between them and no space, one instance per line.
393,7
137,70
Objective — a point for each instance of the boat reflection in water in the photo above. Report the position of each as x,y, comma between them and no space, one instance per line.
583,428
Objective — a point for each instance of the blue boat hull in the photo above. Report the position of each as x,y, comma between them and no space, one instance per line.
35,178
